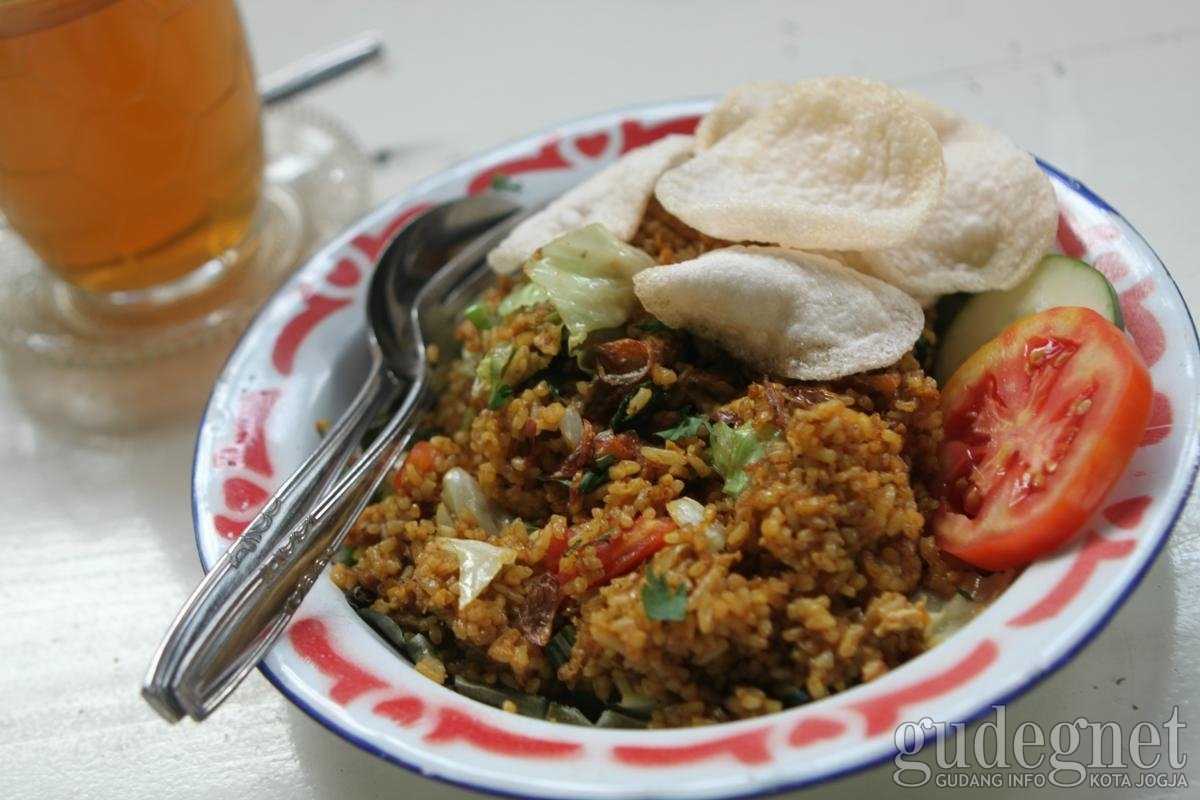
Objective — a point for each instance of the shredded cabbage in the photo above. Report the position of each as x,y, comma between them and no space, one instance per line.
490,373
525,295
478,563
571,427
946,618
461,492
588,276
732,450
685,511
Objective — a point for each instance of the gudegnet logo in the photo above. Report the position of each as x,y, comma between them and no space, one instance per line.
1078,753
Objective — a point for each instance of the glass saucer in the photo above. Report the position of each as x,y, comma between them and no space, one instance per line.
106,374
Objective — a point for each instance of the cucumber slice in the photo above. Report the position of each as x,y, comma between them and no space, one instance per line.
1057,281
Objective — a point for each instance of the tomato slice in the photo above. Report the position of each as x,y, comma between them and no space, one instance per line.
1039,424
554,552
624,551
422,456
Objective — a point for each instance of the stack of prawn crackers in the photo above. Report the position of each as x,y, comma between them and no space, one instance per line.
848,205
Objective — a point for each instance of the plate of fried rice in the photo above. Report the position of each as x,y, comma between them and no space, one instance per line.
707,504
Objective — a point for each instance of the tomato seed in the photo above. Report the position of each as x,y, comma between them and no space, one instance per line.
973,501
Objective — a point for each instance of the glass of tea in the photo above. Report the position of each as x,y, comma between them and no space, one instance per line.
131,145
148,203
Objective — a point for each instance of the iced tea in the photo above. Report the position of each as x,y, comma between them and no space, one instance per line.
130,137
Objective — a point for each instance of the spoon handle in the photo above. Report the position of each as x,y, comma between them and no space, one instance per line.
317,68
239,574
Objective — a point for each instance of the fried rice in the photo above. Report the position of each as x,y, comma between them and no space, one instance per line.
818,575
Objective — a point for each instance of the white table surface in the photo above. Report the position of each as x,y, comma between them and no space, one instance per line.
97,535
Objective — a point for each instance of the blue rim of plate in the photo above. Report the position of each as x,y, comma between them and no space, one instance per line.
1054,666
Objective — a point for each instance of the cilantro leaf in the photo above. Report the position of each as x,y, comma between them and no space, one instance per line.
733,449
660,602
595,477
688,426
504,183
654,326
622,420
500,395
489,376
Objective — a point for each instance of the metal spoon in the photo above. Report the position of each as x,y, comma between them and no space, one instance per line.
316,68
246,600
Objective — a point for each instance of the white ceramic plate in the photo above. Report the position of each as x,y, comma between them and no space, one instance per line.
302,359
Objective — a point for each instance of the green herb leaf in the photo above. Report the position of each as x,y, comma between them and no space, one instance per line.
504,183
489,376
500,395
733,449
523,296
559,648
360,597
597,476
479,316
660,602
687,427
654,326
347,554
622,420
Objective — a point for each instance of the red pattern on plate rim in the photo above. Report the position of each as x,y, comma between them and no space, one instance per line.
593,145
311,640
1161,419
635,134
371,245
1141,323
249,447
310,636
1127,514
748,748
316,308
1096,548
881,712
1068,239
245,498
344,275
454,725
815,729
403,711
548,158
248,451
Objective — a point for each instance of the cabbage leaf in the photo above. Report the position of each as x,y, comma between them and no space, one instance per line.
478,563
523,296
588,276
733,449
